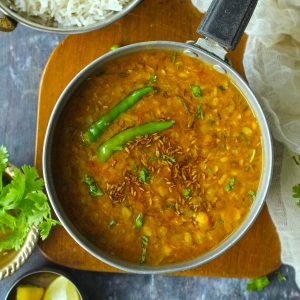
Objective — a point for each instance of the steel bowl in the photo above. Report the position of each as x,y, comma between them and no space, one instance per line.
12,260
94,67
12,16
41,278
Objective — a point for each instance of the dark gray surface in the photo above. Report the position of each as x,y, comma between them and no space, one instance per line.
23,55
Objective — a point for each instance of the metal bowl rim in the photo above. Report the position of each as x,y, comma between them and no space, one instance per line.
44,270
72,30
225,244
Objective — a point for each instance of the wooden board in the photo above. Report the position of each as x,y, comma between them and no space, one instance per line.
258,252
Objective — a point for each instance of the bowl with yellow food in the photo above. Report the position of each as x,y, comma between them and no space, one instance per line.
44,285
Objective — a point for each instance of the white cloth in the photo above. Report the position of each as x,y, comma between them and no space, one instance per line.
272,67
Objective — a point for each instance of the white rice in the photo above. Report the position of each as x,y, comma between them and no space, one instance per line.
70,12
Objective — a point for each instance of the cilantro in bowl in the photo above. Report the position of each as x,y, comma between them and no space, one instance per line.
22,205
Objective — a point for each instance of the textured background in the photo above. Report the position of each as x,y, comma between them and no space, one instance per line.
23,55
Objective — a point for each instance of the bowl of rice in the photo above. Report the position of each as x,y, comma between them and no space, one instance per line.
66,16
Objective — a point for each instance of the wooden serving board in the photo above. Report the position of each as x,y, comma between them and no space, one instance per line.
258,252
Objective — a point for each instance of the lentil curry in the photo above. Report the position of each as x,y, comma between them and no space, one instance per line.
165,174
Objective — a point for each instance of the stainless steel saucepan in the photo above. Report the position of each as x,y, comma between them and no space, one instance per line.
223,27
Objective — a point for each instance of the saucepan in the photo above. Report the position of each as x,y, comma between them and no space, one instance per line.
222,26
10,16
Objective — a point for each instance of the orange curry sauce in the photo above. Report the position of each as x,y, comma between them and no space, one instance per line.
202,173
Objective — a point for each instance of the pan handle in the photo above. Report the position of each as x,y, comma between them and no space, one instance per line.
7,24
226,20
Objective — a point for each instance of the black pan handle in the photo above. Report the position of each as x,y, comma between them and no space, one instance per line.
226,20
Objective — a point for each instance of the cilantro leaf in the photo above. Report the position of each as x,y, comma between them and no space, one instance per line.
257,284
139,221
186,193
22,205
94,189
196,90
228,187
114,47
144,175
46,226
199,114
33,182
252,194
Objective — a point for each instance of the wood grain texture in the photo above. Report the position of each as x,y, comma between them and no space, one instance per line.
258,252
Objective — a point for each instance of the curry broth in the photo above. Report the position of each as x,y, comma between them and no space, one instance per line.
202,173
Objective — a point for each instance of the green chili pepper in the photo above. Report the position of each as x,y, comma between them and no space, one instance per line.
98,127
114,143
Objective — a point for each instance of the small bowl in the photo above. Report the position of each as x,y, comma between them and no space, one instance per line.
11,261
7,7
41,278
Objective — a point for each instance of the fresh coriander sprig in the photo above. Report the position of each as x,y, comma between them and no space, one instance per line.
23,204
257,284
229,186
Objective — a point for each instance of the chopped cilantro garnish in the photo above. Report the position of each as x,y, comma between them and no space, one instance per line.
251,194
296,158
112,223
153,78
174,57
196,90
186,193
144,245
144,175
199,113
45,227
228,187
94,190
22,205
296,193
257,284
280,277
114,47
139,221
